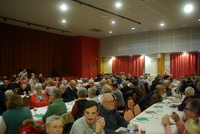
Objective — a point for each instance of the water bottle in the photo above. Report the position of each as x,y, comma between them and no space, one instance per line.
130,128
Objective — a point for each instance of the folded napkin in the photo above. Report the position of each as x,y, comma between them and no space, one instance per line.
158,106
38,115
142,119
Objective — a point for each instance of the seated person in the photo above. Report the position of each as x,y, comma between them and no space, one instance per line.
39,99
54,125
112,118
157,96
126,91
23,90
12,118
90,123
50,86
56,106
78,108
65,96
189,93
72,91
8,94
92,95
191,111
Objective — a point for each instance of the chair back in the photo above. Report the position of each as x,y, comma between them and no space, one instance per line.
128,115
116,104
137,110
130,104
27,101
68,118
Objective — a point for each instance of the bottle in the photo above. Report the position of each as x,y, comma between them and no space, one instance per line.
130,128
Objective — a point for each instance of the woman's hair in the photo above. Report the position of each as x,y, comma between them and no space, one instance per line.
15,101
189,91
106,89
159,88
192,127
50,82
52,118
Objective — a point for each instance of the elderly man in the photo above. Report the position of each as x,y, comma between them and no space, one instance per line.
65,96
90,84
92,95
100,85
90,123
112,118
72,91
57,106
78,108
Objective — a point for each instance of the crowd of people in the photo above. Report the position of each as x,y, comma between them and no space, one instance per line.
92,115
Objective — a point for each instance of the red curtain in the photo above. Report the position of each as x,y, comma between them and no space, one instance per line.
182,64
198,64
133,65
21,48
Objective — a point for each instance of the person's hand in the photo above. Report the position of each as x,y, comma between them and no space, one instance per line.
100,124
175,116
165,120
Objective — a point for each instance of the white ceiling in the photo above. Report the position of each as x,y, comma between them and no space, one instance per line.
81,18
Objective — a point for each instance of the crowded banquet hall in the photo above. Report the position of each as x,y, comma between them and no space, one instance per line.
100,67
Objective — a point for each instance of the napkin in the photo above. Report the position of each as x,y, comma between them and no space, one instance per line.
142,119
38,115
158,106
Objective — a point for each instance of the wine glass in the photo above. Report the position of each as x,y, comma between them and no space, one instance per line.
35,109
143,130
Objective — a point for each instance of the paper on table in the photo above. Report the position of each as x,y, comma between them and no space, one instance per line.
158,106
38,115
142,119
149,112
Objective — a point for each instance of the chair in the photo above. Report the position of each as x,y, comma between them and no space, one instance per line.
27,101
68,122
136,110
116,104
128,115
130,104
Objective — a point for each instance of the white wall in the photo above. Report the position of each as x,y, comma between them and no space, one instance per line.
107,64
151,64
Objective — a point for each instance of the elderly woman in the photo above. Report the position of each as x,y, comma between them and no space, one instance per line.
189,93
50,86
157,96
54,125
39,98
78,108
106,89
12,119
92,95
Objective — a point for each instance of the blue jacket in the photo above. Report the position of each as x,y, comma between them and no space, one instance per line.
113,120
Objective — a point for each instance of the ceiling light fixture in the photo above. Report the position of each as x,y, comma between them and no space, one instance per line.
63,7
162,24
118,4
113,22
188,8
110,32
133,28
198,19
63,21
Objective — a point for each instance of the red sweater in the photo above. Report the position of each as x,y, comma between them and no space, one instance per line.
39,102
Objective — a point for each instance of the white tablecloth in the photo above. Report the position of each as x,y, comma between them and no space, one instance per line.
153,123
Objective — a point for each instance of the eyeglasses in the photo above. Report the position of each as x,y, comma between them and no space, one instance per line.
185,108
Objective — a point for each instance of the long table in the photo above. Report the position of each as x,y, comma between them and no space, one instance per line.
37,116
150,119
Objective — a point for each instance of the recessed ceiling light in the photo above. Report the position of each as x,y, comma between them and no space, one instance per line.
162,24
63,7
133,28
113,22
198,19
188,8
63,21
110,32
118,4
